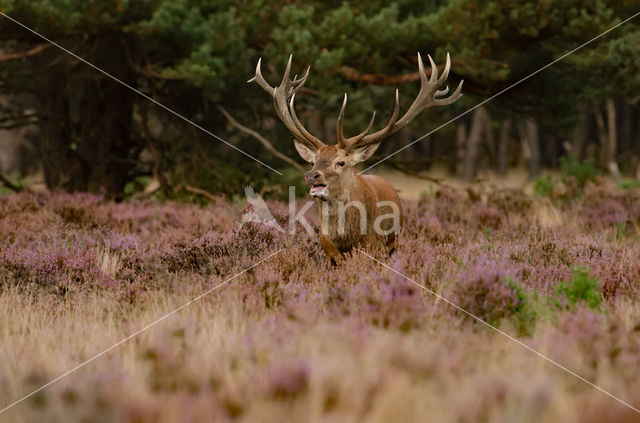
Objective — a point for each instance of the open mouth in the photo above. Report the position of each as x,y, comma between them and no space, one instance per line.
318,190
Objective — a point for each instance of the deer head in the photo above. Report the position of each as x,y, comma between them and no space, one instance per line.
333,171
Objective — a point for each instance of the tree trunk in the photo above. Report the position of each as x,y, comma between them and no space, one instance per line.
612,139
487,131
626,143
329,130
635,141
478,122
550,151
503,147
531,147
58,161
461,142
86,129
580,133
403,138
602,134
425,146
607,134
316,124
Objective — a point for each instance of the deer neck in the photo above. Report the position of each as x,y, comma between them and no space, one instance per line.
348,189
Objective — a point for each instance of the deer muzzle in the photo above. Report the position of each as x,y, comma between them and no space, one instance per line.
315,180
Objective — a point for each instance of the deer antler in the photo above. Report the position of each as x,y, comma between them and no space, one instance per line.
342,142
427,97
284,108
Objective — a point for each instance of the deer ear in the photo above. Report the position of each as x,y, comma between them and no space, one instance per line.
361,154
305,152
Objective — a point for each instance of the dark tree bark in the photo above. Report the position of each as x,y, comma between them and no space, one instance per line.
531,146
635,143
401,139
87,142
602,134
489,139
478,123
607,134
550,151
534,145
316,124
423,149
612,138
329,130
58,162
626,143
461,142
503,147
581,133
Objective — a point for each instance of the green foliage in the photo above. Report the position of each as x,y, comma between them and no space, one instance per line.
543,187
194,55
519,291
583,171
11,184
4,190
138,184
621,230
531,310
578,173
628,184
581,288
575,174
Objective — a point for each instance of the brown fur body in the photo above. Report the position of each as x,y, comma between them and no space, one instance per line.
344,196
346,190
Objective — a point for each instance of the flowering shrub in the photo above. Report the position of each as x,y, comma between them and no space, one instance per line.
294,338
487,291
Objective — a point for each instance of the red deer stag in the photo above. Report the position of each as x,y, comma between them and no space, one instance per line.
356,210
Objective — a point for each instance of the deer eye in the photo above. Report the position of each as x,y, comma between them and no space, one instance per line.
340,163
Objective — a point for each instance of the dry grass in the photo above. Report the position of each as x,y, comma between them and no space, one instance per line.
293,340
197,367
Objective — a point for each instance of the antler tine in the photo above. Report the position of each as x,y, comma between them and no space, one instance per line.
295,84
452,98
428,92
372,138
440,93
427,97
434,69
456,94
281,95
447,68
260,79
392,121
287,72
299,83
307,135
339,132
356,139
344,143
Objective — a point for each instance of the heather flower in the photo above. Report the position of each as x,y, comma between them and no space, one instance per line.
229,356
487,216
487,291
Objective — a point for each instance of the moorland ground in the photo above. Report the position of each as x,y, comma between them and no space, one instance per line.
295,340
